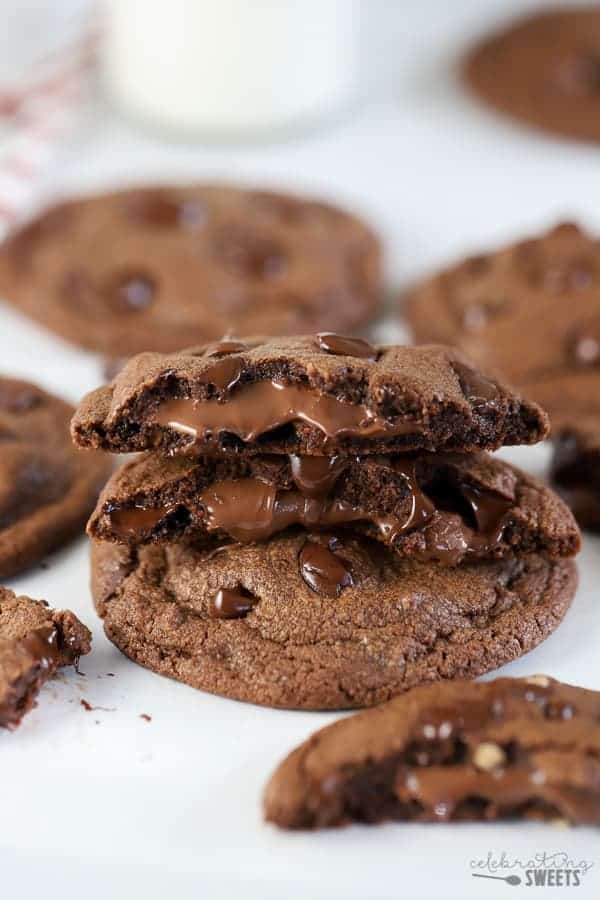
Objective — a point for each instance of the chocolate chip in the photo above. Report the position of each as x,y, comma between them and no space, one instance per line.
476,387
339,345
224,373
131,291
322,569
231,603
164,210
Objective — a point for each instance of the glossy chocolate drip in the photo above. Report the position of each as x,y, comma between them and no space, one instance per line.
422,508
449,538
249,509
128,522
315,476
476,388
322,569
260,407
42,645
339,345
231,603
488,508
224,373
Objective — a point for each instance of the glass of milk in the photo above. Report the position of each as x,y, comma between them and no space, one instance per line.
232,68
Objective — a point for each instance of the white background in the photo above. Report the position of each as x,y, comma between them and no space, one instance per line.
104,803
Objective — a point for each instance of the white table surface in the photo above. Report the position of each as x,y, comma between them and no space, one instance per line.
104,803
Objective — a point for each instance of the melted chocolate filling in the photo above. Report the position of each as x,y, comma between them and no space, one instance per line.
266,405
459,519
42,647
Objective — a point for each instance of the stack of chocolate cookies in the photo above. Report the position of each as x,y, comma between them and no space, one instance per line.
315,522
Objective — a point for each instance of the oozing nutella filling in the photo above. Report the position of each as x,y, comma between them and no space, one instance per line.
250,509
265,405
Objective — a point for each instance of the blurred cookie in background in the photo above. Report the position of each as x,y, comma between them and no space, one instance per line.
543,70
530,311
47,487
575,469
160,268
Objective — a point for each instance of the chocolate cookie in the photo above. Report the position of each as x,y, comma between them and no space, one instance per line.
47,488
526,748
544,70
447,507
575,469
321,622
34,642
531,311
310,395
159,268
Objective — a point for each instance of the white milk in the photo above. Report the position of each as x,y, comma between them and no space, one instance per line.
232,67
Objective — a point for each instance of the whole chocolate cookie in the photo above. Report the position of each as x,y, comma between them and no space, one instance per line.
162,267
575,469
311,395
447,507
321,622
530,310
34,642
544,70
47,487
526,748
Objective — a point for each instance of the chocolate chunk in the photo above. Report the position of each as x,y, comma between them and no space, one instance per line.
323,570
34,642
442,753
231,603
400,623
287,396
162,209
191,264
346,346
